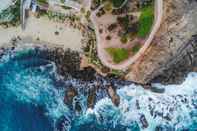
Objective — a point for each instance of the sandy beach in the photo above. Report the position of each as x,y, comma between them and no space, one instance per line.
45,30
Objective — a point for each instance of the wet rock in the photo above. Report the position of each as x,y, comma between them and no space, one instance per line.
167,117
164,128
63,123
143,121
113,95
78,107
147,86
157,89
69,95
1,52
137,104
67,61
152,112
87,74
91,97
160,114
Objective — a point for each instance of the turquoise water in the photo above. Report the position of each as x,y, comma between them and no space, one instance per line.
32,93
28,98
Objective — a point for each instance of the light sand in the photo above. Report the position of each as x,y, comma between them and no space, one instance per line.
44,29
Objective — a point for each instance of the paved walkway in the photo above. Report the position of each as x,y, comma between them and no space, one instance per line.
73,4
123,66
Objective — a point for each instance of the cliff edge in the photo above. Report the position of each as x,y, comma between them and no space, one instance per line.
173,52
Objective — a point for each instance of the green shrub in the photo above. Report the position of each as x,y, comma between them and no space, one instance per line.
118,54
117,3
124,22
124,39
146,20
11,15
117,73
42,1
136,48
62,1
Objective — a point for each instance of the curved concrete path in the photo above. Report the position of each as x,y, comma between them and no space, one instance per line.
101,51
127,63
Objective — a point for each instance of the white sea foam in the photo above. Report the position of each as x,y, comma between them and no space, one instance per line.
30,86
173,107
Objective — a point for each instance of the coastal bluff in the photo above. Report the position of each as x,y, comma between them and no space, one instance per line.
173,52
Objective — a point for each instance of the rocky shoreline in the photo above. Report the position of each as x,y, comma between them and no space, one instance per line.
172,54
168,61
95,86
170,57
68,66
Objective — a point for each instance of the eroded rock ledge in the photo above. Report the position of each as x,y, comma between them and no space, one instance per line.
173,51
67,65
180,65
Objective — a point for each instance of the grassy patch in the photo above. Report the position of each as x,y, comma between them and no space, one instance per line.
117,73
118,54
124,22
42,1
117,3
62,1
108,7
146,20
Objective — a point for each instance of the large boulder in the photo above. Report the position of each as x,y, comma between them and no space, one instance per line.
70,93
113,95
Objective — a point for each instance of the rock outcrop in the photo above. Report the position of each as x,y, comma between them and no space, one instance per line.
113,95
70,93
178,67
173,52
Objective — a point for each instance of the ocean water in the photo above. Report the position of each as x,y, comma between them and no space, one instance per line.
32,94
28,98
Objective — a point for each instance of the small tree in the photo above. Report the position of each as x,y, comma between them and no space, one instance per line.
124,39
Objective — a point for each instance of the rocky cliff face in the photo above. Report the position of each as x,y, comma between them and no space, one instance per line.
173,52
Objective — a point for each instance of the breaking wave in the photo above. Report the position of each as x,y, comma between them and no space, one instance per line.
139,109
32,99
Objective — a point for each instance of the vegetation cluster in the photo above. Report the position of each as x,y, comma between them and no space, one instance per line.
129,25
11,15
